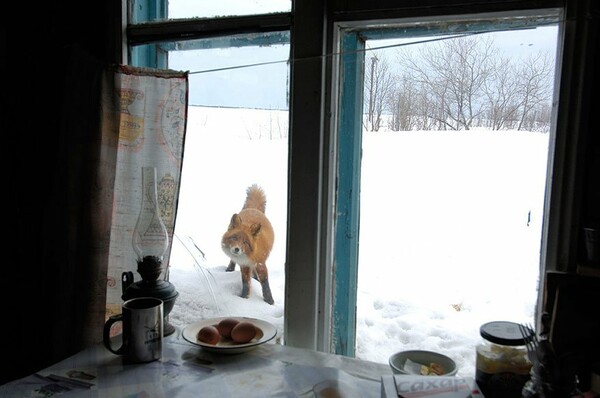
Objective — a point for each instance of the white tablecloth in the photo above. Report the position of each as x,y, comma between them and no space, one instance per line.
185,370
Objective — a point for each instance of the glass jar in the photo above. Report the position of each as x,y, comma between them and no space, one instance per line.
502,365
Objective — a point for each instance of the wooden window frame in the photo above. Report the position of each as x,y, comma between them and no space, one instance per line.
312,278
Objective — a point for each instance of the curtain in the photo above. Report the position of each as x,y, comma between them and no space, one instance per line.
149,108
87,130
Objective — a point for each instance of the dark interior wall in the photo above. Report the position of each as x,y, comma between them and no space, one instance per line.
45,310
36,326
588,174
591,205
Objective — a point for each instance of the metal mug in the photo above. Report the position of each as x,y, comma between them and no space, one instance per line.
142,320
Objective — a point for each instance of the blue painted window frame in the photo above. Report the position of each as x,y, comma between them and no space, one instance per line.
348,194
349,136
149,55
349,145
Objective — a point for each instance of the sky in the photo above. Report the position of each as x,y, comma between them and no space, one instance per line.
237,87
210,8
449,239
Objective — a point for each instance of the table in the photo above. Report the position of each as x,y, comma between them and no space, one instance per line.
186,370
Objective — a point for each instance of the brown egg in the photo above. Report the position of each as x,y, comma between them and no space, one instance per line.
329,392
209,334
243,332
226,325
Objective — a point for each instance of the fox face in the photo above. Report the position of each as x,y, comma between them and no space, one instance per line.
238,242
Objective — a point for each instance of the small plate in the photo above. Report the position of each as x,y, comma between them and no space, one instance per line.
265,332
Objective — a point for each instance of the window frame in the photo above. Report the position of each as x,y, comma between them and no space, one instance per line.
351,65
558,248
312,180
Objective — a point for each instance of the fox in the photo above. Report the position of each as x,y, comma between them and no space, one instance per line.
248,242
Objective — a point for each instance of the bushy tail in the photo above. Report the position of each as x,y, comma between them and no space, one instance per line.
255,198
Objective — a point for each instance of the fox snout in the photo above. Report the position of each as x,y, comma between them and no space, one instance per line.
235,250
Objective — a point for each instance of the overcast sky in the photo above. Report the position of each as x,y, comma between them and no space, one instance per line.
265,86
211,8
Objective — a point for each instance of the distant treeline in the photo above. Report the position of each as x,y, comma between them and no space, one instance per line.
457,84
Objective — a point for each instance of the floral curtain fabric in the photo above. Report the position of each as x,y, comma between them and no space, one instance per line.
149,109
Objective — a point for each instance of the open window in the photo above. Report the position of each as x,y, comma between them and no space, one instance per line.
334,52
237,136
443,134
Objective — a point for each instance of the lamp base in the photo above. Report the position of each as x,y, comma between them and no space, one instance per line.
161,289
168,328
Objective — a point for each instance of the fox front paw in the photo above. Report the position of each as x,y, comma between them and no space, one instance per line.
230,267
267,296
245,291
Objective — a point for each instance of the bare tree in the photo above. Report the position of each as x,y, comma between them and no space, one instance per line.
378,83
403,104
535,81
456,84
454,72
502,93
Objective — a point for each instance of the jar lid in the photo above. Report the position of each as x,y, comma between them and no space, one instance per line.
504,333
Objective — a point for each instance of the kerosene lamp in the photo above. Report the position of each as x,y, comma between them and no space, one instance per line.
150,242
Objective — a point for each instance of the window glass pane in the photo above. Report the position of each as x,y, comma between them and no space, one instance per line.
455,147
237,136
251,76
224,8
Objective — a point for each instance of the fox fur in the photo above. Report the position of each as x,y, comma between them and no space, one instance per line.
248,242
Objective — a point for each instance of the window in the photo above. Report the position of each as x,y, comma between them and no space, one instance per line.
237,135
431,203
325,108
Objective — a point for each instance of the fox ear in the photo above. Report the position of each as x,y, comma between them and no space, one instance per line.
235,221
255,229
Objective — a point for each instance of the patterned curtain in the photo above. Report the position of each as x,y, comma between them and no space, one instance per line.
150,110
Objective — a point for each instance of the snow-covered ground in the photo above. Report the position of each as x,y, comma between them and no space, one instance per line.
449,238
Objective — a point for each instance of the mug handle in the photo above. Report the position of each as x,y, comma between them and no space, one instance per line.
106,334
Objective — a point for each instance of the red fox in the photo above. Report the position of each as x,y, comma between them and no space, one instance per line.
248,242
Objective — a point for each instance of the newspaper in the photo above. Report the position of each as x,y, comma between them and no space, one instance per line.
415,386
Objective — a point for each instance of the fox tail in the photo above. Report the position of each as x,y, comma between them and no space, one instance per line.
255,198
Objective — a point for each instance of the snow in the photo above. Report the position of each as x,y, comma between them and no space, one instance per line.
450,230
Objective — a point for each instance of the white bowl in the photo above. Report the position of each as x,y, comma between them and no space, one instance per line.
408,362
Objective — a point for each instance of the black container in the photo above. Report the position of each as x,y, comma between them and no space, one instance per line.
161,289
